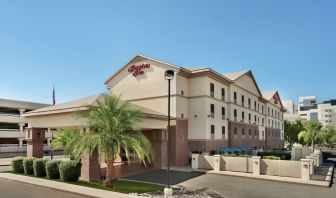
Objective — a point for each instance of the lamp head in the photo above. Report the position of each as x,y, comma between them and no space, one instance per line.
169,74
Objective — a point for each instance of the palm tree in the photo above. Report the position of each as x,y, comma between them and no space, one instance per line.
329,135
113,125
65,139
311,135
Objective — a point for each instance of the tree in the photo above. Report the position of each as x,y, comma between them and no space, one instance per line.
329,135
311,134
292,131
66,139
113,125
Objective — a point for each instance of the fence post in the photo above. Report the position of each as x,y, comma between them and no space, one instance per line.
194,161
305,169
311,165
256,165
315,158
217,160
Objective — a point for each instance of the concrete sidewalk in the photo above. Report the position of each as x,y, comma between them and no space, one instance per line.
81,190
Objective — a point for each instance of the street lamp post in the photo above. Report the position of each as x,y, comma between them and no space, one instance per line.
168,191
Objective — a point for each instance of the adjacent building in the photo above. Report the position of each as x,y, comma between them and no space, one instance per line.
210,110
291,111
12,123
309,109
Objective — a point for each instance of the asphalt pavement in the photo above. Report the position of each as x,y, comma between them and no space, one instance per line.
14,189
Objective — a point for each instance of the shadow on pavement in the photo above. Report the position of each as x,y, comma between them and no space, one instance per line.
160,176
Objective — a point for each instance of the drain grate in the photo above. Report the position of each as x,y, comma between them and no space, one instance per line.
214,194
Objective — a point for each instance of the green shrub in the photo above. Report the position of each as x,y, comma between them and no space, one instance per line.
271,157
52,169
281,155
28,165
17,164
39,166
70,170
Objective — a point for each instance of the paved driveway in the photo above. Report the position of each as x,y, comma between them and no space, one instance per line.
239,187
14,189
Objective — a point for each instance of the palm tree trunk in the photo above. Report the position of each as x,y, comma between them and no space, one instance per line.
109,173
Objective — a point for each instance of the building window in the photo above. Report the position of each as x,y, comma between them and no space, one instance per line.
212,90
249,102
262,121
272,113
182,115
258,107
268,111
243,131
235,97
255,132
223,94
182,92
243,116
212,107
212,129
223,131
249,117
263,134
235,114
250,132
255,105
235,130
242,100
262,109
223,113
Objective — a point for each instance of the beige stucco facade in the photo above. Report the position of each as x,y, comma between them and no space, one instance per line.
210,110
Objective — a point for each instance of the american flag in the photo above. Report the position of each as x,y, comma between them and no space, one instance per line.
54,96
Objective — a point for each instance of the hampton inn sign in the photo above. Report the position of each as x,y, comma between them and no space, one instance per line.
138,70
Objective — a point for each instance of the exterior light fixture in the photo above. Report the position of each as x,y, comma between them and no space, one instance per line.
168,191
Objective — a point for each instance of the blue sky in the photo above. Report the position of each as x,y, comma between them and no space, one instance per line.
76,45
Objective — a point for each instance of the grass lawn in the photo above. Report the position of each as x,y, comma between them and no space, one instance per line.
122,186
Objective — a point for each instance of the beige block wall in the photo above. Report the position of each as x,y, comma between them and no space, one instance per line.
206,162
236,164
283,168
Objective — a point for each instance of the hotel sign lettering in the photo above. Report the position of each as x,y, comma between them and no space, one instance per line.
138,70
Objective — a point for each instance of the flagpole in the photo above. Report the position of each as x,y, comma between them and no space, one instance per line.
51,131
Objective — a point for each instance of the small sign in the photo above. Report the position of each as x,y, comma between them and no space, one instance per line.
138,70
276,99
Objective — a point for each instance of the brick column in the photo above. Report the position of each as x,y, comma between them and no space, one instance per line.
305,169
311,164
35,138
194,161
217,162
256,165
90,167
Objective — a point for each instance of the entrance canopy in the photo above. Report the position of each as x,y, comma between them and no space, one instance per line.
233,149
65,115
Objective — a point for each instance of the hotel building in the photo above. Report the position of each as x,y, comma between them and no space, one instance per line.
12,123
210,110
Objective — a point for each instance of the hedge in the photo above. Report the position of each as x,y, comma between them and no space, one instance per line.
39,166
271,157
17,164
28,165
281,155
52,169
70,170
